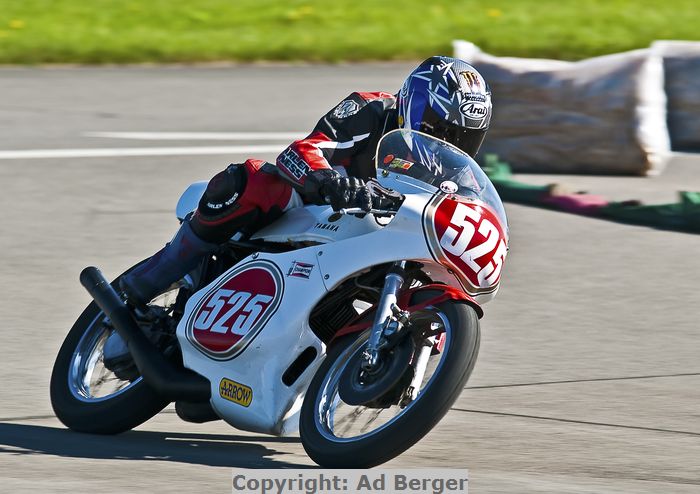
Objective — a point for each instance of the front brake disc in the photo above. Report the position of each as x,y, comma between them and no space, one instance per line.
359,387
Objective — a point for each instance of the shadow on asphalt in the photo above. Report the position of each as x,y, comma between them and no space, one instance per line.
218,450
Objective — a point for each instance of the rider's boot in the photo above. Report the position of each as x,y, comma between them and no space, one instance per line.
180,256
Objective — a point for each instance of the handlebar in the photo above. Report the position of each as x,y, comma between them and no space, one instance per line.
376,212
382,198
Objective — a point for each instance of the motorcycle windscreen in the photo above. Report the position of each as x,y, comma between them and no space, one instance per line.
440,164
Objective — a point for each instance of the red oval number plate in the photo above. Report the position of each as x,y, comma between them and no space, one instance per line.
235,310
467,237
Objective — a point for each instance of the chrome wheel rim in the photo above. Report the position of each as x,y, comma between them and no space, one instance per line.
337,421
89,380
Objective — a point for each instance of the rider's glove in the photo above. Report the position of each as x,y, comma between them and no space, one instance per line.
327,186
382,197
347,192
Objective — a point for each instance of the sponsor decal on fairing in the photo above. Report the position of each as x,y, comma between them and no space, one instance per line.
236,392
449,187
397,163
300,270
326,226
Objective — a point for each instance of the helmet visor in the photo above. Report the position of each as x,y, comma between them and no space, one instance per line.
466,139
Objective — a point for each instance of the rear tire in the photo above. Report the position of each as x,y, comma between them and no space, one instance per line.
113,414
413,422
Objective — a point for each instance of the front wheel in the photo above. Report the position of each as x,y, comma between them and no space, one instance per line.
338,435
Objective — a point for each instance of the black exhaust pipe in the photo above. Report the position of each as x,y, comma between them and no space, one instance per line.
166,379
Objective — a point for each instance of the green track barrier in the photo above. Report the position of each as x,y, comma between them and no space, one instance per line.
682,216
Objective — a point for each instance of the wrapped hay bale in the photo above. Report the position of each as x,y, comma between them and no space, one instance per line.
605,115
681,61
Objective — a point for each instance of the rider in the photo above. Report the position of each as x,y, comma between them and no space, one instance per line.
444,97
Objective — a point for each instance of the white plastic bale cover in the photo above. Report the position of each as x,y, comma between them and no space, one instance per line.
605,115
681,61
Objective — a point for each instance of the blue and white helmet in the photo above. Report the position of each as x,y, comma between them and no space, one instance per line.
448,99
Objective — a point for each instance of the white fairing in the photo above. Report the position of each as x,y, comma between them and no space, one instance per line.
320,224
316,224
190,199
263,362
342,247
274,406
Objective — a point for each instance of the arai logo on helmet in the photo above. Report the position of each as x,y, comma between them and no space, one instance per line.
473,109
235,310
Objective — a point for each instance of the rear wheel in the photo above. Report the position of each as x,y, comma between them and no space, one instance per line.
89,397
338,435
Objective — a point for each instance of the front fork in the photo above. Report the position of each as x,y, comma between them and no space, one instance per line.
389,318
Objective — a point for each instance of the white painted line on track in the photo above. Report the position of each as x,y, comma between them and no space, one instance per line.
200,136
22,154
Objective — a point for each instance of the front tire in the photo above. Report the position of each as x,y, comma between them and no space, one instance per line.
75,401
320,430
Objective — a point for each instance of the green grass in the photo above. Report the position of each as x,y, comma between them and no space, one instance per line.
104,31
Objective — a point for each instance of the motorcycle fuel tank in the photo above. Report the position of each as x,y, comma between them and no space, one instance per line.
319,224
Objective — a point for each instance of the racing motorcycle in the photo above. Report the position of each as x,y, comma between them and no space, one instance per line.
357,329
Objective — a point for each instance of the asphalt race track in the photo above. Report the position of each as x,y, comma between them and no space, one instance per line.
588,378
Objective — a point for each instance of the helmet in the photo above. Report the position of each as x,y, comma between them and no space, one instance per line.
448,99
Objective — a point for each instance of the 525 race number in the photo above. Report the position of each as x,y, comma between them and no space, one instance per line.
471,240
235,310
244,309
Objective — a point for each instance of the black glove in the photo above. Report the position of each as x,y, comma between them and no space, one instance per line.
346,192
327,186
383,198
